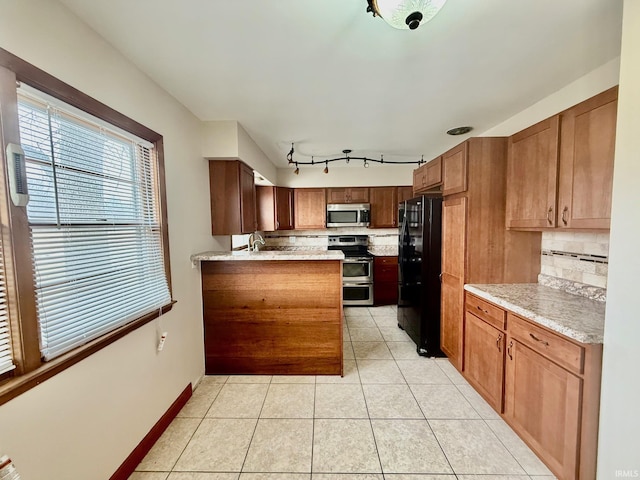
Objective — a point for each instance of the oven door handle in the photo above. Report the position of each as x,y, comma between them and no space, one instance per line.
356,284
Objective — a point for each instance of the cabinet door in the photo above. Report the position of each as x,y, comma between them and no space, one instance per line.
586,162
284,208
404,193
310,208
225,197
248,199
384,207
454,224
428,176
337,195
266,208
358,195
542,404
484,359
385,280
532,167
454,170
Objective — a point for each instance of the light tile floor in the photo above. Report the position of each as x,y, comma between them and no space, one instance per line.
393,416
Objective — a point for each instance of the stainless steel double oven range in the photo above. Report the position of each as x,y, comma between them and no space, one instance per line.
357,268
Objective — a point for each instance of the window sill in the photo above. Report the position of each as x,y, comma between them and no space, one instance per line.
14,386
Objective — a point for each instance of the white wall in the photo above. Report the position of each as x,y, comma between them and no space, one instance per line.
619,444
227,139
594,82
347,176
82,423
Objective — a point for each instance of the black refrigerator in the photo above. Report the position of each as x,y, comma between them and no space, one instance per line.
419,269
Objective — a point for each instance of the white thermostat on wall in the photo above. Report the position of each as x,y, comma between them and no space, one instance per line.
17,175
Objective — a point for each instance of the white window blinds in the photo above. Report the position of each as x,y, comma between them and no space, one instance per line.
95,226
6,362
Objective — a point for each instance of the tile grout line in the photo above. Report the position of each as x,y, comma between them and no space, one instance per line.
253,434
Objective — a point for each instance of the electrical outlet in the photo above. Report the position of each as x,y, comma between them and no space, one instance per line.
163,337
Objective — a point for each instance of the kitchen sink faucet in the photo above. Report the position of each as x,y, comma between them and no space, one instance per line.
255,239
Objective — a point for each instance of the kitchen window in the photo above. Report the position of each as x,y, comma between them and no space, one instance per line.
88,256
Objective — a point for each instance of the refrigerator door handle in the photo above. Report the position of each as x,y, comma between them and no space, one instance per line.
440,277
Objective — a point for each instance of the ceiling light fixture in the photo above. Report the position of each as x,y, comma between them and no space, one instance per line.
405,14
459,130
347,156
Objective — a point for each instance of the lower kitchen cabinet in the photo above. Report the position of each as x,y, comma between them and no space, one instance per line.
385,280
546,386
542,403
484,359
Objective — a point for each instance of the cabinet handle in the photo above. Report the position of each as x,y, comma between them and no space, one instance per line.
509,349
565,210
546,344
498,340
480,308
549,215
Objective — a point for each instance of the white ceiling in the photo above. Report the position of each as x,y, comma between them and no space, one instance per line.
328,76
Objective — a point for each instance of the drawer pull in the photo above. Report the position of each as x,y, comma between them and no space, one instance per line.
546,344
481,309
509,349
498,340
564,215
549,212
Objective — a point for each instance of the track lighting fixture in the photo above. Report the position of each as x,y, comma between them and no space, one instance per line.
347,157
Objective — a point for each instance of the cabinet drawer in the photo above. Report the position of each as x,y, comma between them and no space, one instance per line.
552,346
386,260
486,311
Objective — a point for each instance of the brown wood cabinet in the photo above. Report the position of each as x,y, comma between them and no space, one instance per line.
545,385
428,176
454,170
476,248
384,207
233,198
275,208
385,280
587,142
348,195
290,324
542,403
310,208
484,348
560,170
405,193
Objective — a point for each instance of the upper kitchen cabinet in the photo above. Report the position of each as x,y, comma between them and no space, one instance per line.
310,210
531,176
384,207
275,208
560,171
404,193
348,195
428,176
454,170
233,197
587,141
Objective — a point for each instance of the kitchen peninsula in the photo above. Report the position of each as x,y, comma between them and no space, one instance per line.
272,312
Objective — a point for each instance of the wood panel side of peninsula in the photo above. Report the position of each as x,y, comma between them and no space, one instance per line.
273,317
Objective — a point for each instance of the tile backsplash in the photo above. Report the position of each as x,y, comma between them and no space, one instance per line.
576,257
383,240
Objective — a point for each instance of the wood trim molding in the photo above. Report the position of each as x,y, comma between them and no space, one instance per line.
41,80
135,457
18,385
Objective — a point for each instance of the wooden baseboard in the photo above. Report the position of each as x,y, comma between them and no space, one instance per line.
135,457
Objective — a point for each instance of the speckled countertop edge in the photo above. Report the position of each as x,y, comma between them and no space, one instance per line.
244,255
573,316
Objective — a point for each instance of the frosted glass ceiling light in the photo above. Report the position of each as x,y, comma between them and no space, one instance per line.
405,14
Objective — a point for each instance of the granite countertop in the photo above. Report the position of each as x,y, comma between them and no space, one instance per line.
383,250
268,255
573,316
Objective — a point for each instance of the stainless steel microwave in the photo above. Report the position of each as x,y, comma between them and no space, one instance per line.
348,214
